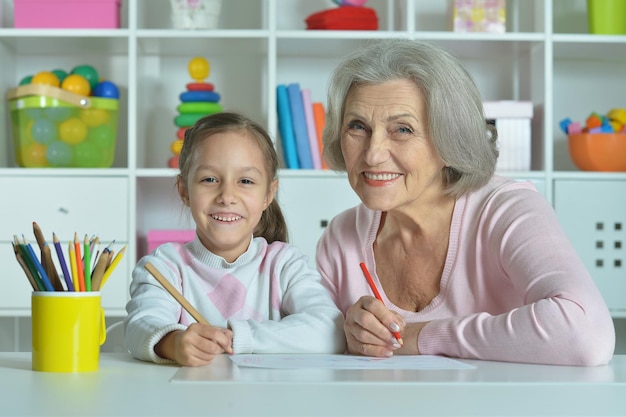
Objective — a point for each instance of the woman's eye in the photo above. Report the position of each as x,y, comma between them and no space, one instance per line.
356,126
404,130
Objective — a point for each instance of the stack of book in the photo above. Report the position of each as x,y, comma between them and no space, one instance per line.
300,123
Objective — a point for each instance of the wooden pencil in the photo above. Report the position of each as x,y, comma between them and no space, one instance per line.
66,273
372,285
29,264
175,293
87,263
111,266
95,252
98,271
30,254
46,258
73,265
79,264
22,263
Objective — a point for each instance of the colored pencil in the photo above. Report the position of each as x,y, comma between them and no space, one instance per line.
22,263
46,259
42,273
377,295
98,271
87,264
110,268
29,264
80,268
95,252
66,274
73,265
175,293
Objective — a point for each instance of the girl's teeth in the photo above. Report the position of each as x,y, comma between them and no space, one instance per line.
226,219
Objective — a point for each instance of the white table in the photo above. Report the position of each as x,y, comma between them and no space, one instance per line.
127,387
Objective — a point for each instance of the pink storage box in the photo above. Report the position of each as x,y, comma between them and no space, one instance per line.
156,238
76,14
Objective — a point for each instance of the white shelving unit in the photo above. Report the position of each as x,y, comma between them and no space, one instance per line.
545,57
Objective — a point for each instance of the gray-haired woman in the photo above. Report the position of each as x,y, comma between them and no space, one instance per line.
468,264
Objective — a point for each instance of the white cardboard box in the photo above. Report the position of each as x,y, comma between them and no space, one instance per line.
513,122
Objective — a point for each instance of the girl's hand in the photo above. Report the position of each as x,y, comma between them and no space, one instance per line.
196,346
368,327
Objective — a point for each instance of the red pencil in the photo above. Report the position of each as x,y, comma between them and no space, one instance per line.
377,295
79,264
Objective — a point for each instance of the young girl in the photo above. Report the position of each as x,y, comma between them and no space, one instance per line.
258,292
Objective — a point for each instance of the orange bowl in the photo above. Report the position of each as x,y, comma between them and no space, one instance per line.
598,151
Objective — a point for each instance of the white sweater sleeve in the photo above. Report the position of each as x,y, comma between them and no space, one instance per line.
152,312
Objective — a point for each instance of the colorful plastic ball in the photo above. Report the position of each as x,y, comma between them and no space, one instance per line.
26,80
89,73
43,131
45,78
94,117
618,115
34,155
76,84
34,113
57,113
198,68
59,154
102,136
24,134
61,74
86,154
106,89
72,131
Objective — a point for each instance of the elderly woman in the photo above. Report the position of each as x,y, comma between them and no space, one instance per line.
468,264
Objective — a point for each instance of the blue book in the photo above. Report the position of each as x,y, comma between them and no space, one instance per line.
285,127
299,126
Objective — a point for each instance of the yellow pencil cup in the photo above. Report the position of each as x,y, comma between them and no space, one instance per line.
68,329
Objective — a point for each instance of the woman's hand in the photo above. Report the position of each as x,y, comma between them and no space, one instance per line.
196,346
369,326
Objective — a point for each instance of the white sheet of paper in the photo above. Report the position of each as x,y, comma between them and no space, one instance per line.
321,361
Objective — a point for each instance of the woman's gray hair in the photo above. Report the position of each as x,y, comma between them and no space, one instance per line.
456,120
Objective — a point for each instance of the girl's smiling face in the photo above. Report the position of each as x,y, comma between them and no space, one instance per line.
227,191
390,160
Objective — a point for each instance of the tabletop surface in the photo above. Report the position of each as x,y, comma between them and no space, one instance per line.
127,387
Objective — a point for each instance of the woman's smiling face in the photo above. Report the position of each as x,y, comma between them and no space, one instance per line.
390,160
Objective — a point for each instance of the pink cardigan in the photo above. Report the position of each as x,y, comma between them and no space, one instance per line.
512,289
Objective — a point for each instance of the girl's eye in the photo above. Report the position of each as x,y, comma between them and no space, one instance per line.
209,179
247,181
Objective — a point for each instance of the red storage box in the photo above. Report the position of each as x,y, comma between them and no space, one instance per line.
76,14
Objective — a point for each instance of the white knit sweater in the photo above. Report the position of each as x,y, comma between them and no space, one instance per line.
271,299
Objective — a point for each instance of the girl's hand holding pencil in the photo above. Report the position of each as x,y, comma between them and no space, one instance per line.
84,273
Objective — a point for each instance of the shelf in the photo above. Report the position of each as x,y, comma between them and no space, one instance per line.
546,56
23,43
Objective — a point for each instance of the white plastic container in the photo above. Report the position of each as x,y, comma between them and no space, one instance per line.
195,14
